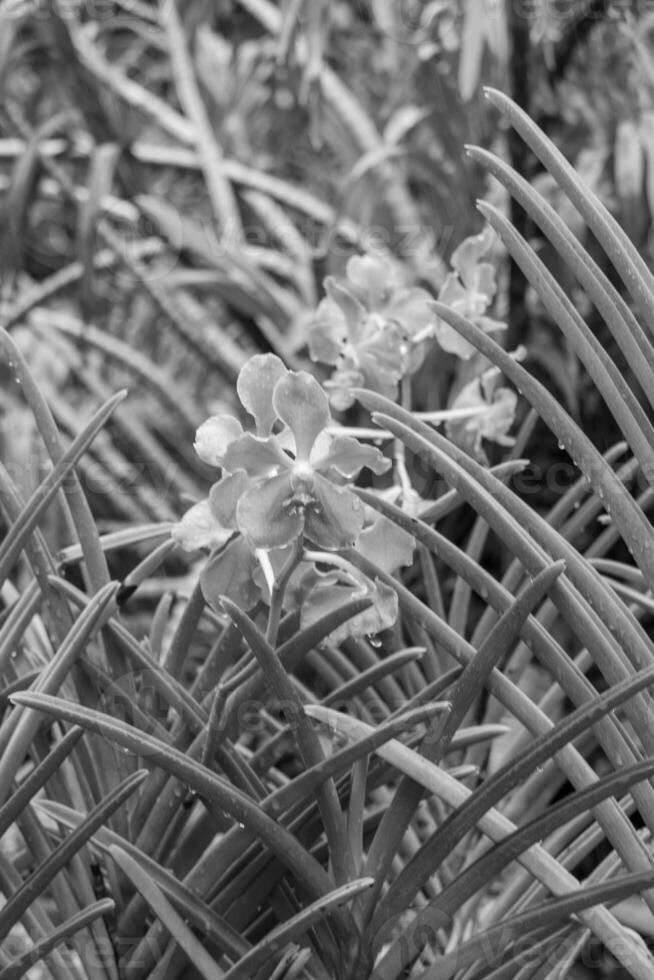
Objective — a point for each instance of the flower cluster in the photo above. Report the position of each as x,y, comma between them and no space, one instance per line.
287,479
370,328
373,330
284,509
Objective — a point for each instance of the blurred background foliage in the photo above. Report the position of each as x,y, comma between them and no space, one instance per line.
175,186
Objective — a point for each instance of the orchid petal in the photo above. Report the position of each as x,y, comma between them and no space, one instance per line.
302,405
231,573
328,332
256,457
493,422
224,496
485,284
348,456
411,309
326,597
386,544
353,311
256,381
385,346
452,342
214,436
500,417
339,386
199,528
467,255
321,447
266,516
452,292
373,275
336,518
489,325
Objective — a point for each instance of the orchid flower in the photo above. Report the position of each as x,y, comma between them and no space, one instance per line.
365,328
469,290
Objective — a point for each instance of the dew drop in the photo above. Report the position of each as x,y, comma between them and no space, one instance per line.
374,641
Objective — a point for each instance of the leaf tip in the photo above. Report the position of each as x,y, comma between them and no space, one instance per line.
492,94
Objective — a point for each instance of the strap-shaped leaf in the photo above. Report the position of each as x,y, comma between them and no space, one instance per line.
537,860
493,864
36,779
199,914
20,615
496,645
35,885
20,966
79,508
48,488
23,725
546,915
219,795
294,928
526,531
408,795
307,741
625,328
172,920
338,762
608,379
624,255
515,772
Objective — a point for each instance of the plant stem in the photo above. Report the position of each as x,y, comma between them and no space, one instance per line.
279,589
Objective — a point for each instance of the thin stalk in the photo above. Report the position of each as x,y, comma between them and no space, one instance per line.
279,590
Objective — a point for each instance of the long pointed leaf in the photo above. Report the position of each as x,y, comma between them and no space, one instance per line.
546,915
79,508
307,741
198,913
34,886
19,967
608,379
537,860
36,779
25,724
294,929
162,908
220,795
46,491
624,326
625,257
503,634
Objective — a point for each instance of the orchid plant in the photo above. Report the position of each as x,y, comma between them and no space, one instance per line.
280,519
303,804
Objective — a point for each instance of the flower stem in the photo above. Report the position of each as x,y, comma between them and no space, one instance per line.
399,452
279,589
